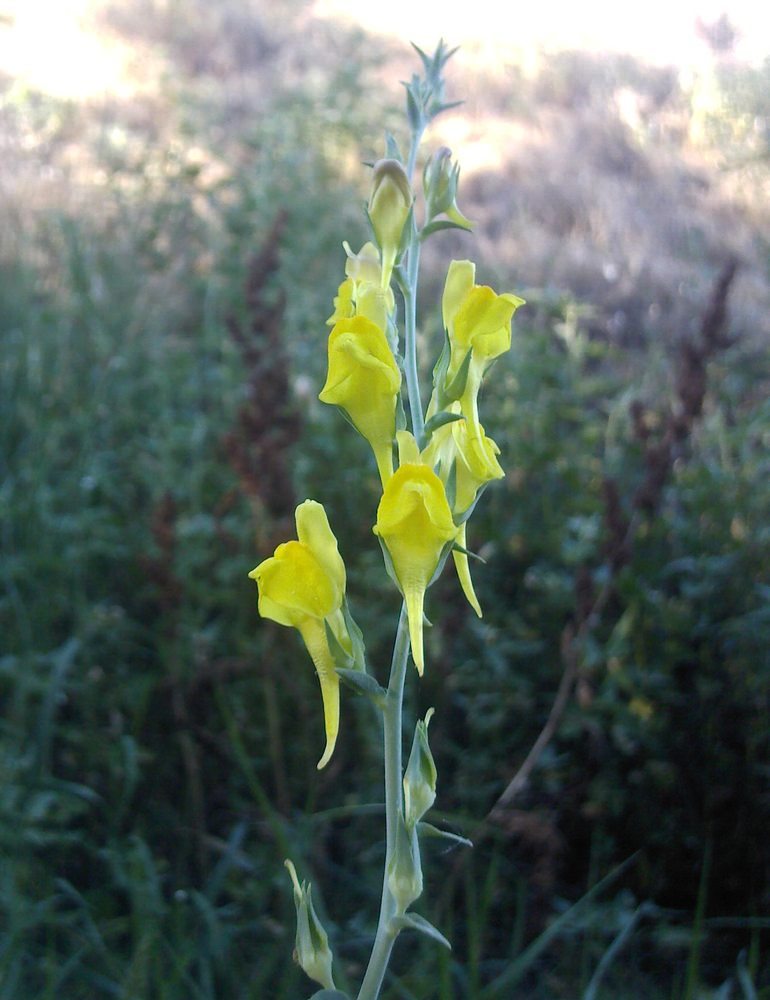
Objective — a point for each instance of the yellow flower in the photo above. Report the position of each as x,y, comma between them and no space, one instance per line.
389,205
477,320
364,380
303,586
415,524
473,456
361,293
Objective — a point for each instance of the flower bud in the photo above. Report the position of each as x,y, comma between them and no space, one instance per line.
420,776
311,949
404,868
389,205
440,179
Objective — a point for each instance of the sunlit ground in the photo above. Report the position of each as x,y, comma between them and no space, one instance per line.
656,30
56,45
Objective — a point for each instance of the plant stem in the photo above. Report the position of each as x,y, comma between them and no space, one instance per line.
410,342
392,739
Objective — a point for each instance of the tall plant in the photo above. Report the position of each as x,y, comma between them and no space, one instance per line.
433,465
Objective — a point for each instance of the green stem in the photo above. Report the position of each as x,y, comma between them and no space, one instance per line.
410,342
392,738
416,140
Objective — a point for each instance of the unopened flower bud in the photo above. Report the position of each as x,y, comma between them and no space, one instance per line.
420,776
404,868
440,180
311,950
389,205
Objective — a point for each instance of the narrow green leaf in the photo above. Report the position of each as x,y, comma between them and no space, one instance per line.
329,995
414,922
442,366
342,658
456,387
392,152
467,552
438,224
439,420
502,986
364,684
744,978
428,830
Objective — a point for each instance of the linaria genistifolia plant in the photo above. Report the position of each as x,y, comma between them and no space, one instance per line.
443,461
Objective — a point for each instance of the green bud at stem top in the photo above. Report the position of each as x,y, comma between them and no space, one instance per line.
389,205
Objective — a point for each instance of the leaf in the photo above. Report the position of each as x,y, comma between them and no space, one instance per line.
392,152
356,637
438,224
413,110
456,387
428,830
342,658
467,552
414,922
364,684
442,365
501,987
329,995
439,420
437,109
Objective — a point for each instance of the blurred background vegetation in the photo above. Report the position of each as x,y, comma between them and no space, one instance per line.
168,255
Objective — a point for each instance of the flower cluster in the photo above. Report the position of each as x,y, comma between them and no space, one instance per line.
431,478
428,497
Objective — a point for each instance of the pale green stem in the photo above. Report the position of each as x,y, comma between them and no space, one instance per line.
392,738
410,314
416,139
410,343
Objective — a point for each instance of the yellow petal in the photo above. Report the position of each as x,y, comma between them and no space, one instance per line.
293,585
343,303
459,281
408,452
364,265
363,378
314,531
314,636
415,523
464,573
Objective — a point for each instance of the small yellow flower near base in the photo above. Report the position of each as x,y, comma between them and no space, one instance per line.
415,524
302,585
